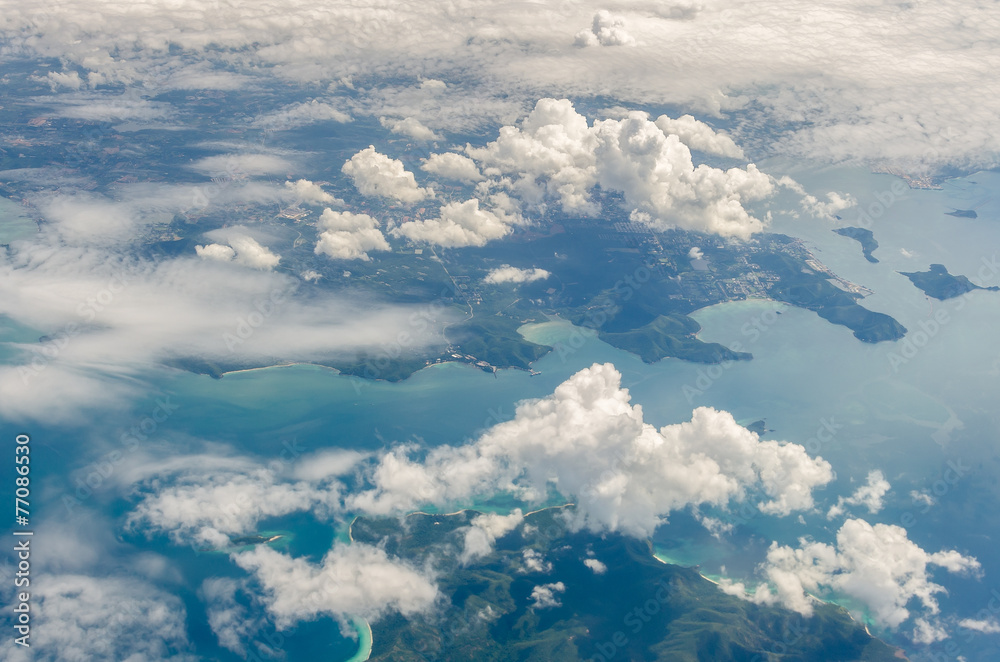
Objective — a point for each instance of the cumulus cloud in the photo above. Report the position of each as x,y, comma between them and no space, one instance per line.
869,495
534,561
927,633
311,193
596,566
555,154
348,236
70,79
459,224
546,596
700,136
410,127
606,30
484,531
355,579
377,175
242,250
508,274
878,566
453,166
814,206
591,444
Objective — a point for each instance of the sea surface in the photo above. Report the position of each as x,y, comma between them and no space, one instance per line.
913,409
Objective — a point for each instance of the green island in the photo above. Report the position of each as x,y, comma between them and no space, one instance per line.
864,237
938,283
634,608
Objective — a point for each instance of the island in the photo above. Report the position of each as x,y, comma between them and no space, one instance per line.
605,597
864,237
938,283
963,213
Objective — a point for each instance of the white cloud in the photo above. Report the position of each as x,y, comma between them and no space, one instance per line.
555,154
606,30
459,224
70,79
453,166
700,136
877,566
842,82
985,626
207,508
355,579
113,317
311,193
231,622
546,596
596,566
588,442
927,633
508,274
300,114
217,252
869,495
534,561
242,250
236,165
375,174
484,531
95,107
80,617
348,236
814,206
327,464
695,253
409,126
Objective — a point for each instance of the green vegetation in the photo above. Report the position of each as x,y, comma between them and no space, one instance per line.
495,340
805,288
638,609
864,237
671,335
940,284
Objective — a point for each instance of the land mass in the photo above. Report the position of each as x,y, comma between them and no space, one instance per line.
864,237
633,608
963,213
938,283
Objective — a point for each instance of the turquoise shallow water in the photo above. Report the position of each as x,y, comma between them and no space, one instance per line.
911,418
